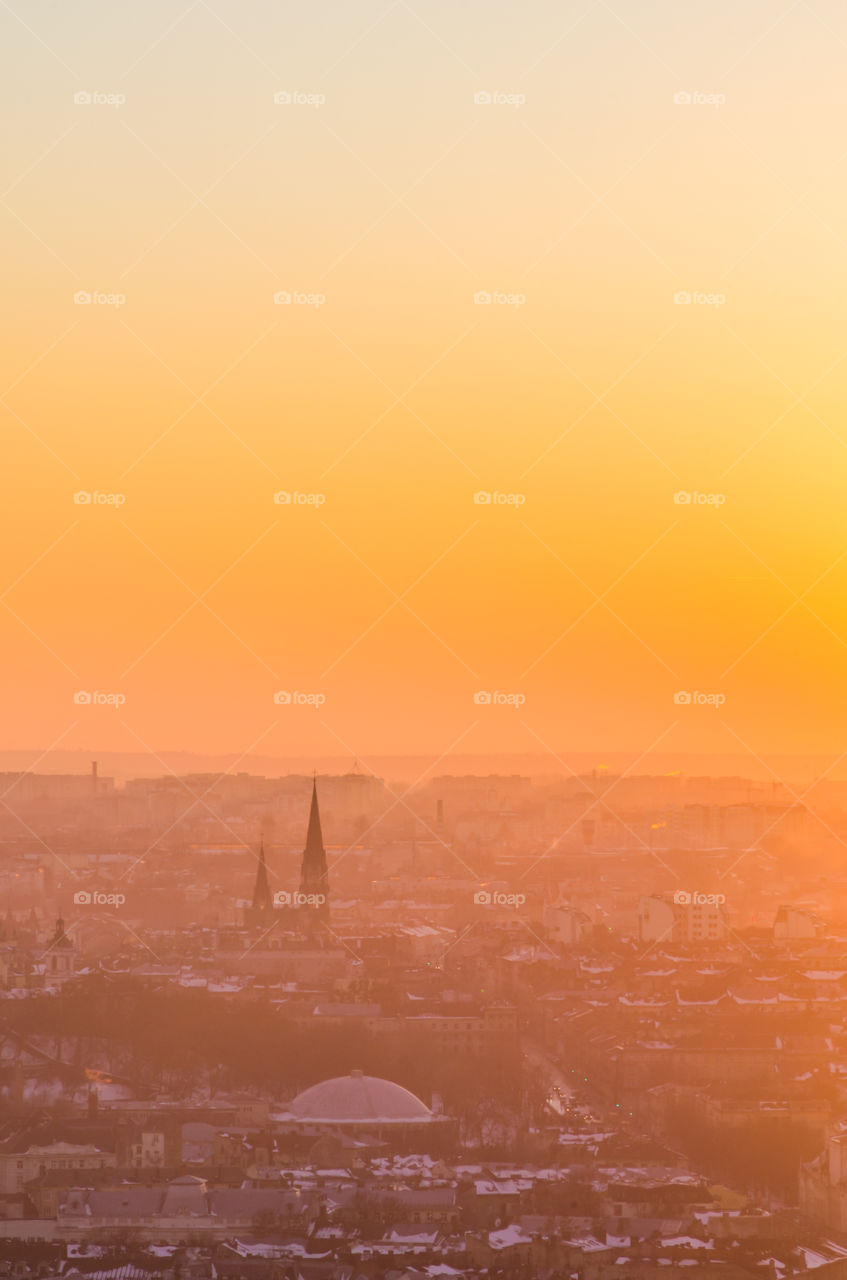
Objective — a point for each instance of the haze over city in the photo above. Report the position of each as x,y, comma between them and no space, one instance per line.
423,781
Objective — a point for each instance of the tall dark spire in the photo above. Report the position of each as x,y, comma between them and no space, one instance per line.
314,877
263,904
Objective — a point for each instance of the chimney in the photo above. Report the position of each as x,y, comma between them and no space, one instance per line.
94,777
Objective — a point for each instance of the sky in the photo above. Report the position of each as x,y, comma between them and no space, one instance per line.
649,195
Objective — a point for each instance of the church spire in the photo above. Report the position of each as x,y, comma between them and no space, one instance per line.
314,876
262,908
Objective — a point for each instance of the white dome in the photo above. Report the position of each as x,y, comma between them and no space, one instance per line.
358,1099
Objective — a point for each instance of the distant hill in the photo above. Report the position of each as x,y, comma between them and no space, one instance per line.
122,765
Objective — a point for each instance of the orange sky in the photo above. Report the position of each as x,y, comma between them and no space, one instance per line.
593,395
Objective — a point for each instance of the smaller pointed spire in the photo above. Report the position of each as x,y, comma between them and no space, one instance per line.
262,898
314,837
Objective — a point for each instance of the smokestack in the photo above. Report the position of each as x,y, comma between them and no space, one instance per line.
94,777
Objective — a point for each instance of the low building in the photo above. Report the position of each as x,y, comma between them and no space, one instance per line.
359,1105
17,1168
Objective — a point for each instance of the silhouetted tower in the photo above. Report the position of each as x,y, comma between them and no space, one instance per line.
261,912
60,956
314,877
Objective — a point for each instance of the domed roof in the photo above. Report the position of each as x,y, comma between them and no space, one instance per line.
358,1099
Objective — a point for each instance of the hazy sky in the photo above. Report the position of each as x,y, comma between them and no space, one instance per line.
631,152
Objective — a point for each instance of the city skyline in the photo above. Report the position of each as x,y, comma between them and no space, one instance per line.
423,779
